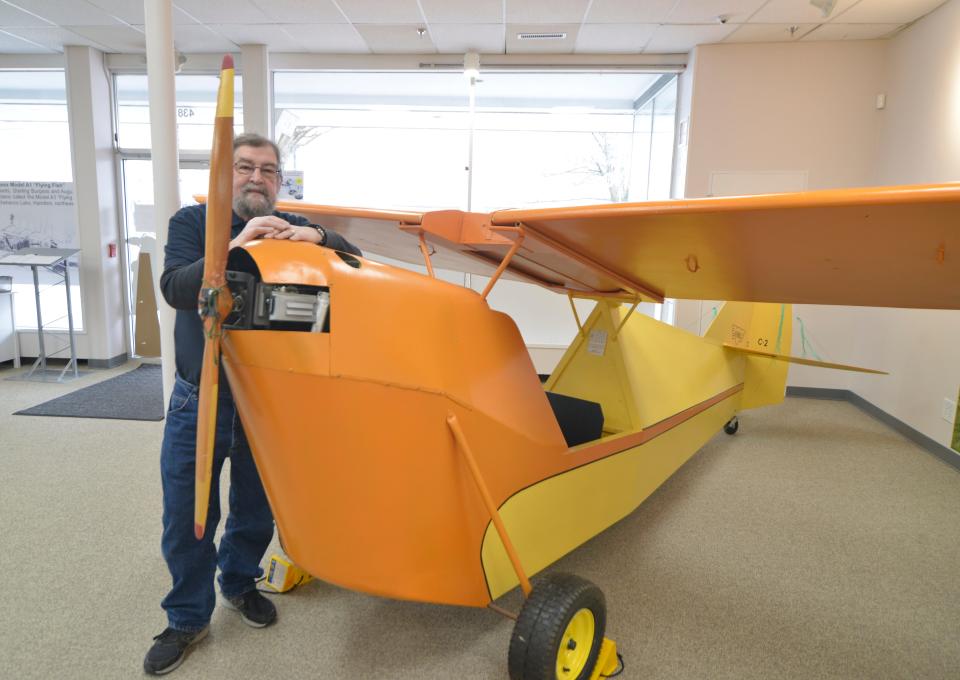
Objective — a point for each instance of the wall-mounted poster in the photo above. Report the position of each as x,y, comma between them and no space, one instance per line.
40,215
37,215
291,189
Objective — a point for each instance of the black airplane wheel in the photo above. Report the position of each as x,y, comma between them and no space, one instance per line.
732,426
559,631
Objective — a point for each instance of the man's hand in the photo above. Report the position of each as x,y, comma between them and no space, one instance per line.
268,226
295,233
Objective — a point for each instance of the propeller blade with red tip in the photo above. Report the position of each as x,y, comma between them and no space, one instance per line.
215,299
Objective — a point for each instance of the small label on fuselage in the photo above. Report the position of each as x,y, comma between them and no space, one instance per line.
598,343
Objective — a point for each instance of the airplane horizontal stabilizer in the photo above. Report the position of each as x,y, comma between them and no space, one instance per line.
800,360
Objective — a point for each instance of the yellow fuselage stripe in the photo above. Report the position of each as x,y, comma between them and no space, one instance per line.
548,519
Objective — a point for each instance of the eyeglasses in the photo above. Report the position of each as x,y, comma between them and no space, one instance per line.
247,169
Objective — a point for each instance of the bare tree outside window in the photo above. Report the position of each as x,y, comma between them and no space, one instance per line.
291,136
609,160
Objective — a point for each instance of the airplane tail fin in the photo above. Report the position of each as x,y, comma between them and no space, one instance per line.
763,332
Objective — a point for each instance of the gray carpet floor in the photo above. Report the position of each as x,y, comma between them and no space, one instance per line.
816,543
134,395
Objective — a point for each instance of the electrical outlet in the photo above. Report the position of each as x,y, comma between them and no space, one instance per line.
949,410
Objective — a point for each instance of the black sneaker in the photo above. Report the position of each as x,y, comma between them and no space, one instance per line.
254,608
170,648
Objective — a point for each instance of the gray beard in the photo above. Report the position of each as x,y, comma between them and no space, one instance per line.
248,209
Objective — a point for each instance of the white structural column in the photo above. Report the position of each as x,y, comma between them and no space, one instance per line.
158,16
255,68
94,185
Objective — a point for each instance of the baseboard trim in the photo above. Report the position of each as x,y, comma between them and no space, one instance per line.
931,446
108,363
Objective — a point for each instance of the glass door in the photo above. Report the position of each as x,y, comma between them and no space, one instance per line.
140,225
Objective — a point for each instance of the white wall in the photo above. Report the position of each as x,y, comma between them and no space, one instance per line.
94,181
811,107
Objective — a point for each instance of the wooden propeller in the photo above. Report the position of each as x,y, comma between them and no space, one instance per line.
215,299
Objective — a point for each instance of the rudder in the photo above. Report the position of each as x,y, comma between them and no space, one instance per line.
762,326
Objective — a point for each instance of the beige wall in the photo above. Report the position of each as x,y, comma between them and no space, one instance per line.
795,106
921,143
811,107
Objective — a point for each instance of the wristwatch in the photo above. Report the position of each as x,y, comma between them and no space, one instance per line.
322,232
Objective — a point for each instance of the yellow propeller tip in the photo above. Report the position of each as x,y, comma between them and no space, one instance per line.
198,530
227,62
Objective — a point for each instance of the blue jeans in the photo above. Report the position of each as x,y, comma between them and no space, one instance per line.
249,527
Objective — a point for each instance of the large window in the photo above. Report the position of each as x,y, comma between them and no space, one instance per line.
36,195
196,108
426,141
413,140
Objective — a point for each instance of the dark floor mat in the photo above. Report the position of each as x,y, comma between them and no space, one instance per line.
134,395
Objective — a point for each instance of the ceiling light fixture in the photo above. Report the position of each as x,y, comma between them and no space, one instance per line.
471,66
825,6
541,36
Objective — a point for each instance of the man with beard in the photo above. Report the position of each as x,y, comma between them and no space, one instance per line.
249,526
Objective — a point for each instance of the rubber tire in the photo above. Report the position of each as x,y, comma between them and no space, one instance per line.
732,425
538,633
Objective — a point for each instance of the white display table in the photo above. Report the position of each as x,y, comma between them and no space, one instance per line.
52,260
9,347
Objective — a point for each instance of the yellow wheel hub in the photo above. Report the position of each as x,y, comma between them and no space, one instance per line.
575,645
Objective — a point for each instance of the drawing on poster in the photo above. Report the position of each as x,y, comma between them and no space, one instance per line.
291,186
37,215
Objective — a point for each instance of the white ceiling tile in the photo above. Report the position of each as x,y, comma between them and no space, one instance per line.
327,38
199,38
629,11
796,12
834,31
546,11
11,44
132,12
299,11
747,33
11,16
395,39
685,38
458,38
560,46
68,12
125,10
382,11
886,11
707,11
236,11
463,11
55,37
613,38
273,36
117,38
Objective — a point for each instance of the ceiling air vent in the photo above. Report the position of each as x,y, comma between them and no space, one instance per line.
541,36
